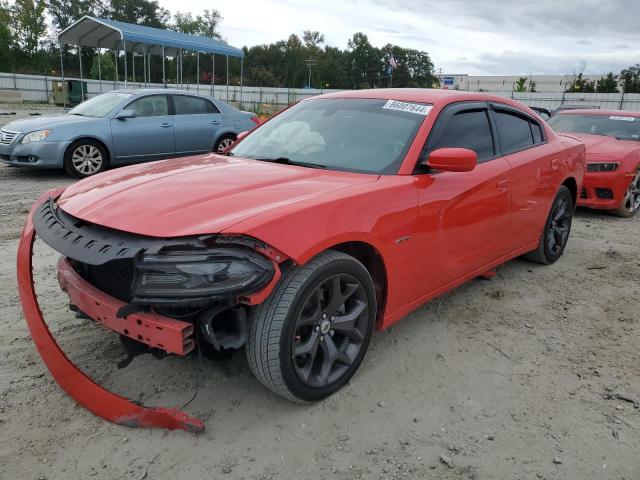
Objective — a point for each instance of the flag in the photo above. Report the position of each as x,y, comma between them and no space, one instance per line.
392,61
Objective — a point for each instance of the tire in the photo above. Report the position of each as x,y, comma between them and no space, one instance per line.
631,201
85,157
556,230
224,142
283,325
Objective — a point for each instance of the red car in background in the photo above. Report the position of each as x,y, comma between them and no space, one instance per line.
612,138
336,217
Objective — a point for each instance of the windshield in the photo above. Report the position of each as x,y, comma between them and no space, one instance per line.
355,135
621,126
101,105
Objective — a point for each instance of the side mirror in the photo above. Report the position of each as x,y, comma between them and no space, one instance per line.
452,160
241,135
124,114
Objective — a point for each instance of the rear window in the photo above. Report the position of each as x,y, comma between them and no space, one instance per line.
514,131
622,127
186,105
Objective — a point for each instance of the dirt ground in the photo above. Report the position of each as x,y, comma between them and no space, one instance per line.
517,377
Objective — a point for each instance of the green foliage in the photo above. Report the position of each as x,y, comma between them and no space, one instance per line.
580,84
608,84
141,12
6,38
630,79
205,24
520,85
107,66
29,24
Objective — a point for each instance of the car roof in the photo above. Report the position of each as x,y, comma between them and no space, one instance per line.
422,95
145,91
597,111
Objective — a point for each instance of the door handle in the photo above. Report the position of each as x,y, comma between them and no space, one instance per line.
215,122
166,125
503,186
555,164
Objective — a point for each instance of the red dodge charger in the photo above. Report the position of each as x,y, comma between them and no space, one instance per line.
336,217
612,138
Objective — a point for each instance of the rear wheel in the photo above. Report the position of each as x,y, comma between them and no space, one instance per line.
631,202
84,158
223,143
310,336
556,231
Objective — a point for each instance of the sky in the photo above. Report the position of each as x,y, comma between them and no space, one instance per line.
476,37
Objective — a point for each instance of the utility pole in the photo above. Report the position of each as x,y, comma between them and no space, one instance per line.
310,63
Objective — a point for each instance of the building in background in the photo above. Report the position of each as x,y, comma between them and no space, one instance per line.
507,83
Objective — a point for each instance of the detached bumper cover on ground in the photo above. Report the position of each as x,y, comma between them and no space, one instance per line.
79,386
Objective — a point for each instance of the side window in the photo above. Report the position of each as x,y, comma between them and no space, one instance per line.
186,105
150,106
537,132
514,131
467,129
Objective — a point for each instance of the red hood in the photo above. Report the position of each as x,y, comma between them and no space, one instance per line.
196,195
599,146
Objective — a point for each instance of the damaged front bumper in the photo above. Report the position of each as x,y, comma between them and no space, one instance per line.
92,245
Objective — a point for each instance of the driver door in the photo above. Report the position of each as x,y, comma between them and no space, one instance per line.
147,136
462,215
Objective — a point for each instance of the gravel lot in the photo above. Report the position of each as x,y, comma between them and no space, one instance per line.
517,377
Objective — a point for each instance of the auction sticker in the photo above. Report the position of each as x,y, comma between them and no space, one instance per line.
620,117
407,107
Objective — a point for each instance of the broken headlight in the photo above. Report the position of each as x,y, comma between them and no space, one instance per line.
199,276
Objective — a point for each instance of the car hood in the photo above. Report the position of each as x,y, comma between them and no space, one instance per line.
197,195
599,146
48,122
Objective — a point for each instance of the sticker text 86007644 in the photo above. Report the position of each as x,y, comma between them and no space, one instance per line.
407,107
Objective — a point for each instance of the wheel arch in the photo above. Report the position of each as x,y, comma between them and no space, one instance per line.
372,260
572,185
94,139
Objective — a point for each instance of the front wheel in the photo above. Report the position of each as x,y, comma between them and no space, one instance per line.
224,143
310,336
631,202
84,158
556,230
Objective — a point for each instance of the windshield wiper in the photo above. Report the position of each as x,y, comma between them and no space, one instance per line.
288,161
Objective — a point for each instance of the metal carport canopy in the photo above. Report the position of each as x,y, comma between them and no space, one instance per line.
114,35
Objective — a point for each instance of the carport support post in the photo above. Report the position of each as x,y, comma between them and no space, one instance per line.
213,75
133,65
241,67
64,94
124,49
144,64
227,78
198,71
164,78
81,78
99,70
116,54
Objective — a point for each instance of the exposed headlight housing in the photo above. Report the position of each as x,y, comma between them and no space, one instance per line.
199,276
37,136
602,166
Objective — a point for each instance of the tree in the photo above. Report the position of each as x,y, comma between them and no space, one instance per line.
580,84
608,84
532,85
366,65
312,39
107,67
140,12
64,12
205,24
520,85
630,79
6,38
29,23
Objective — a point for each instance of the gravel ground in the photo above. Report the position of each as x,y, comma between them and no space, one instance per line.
516,377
